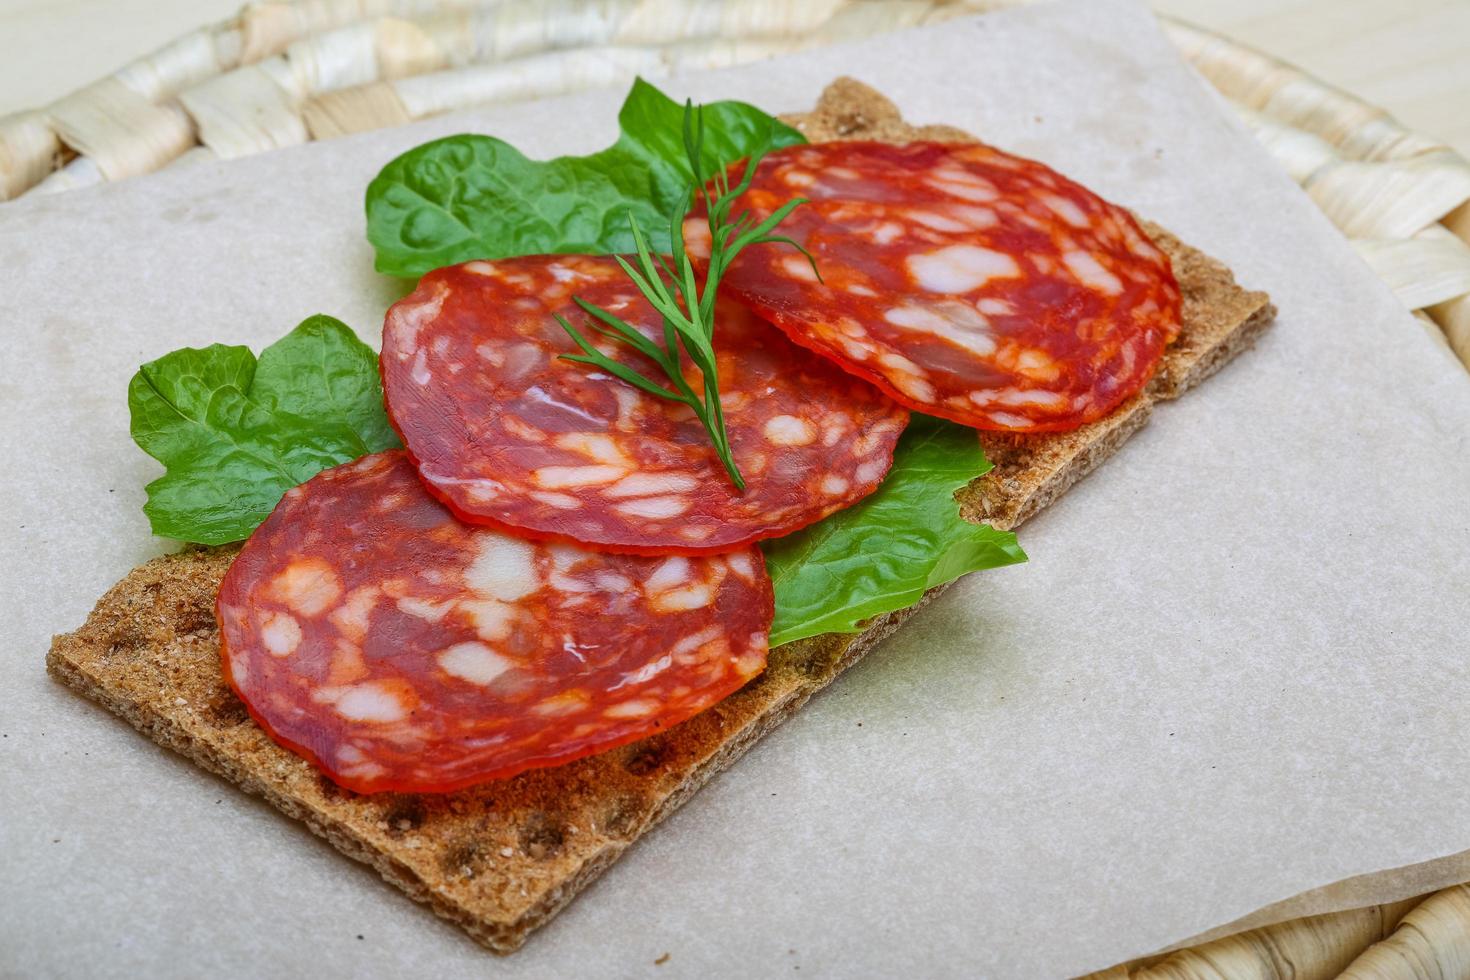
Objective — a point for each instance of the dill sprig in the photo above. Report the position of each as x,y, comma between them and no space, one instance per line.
670,287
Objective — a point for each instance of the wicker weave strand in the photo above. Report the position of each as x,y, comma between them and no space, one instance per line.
29,148
1432,943
1420,939
1317,947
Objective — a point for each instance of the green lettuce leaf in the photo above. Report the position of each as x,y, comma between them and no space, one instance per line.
477,197
881,554
235,433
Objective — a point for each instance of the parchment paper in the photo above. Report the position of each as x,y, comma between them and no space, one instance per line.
1233,672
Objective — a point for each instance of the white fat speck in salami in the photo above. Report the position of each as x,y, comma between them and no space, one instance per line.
955,275
400,649
510,435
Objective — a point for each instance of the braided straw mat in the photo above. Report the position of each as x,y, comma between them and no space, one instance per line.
291,71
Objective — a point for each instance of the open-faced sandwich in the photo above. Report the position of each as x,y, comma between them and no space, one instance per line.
663,439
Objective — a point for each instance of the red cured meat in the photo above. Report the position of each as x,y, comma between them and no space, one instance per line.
508,434
963,281
400,649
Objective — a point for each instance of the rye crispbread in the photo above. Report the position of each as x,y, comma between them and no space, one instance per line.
503,858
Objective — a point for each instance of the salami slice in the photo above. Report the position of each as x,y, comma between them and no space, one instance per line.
508,434
400,649
963,281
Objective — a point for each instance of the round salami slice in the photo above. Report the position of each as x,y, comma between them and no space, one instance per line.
507,433
963,281
400,649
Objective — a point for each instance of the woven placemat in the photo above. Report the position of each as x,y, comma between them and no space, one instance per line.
282,73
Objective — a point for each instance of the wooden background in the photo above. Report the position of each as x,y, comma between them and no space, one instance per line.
1405,55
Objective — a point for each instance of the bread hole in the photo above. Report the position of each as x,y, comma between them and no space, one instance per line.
461,859
622,816
645,757
332,791
194,618
820,658
224,710
405,815
124,637
803,658
541,837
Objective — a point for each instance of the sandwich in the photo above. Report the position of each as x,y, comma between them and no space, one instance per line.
643,464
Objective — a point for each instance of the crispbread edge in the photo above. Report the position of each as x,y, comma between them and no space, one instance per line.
503,858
